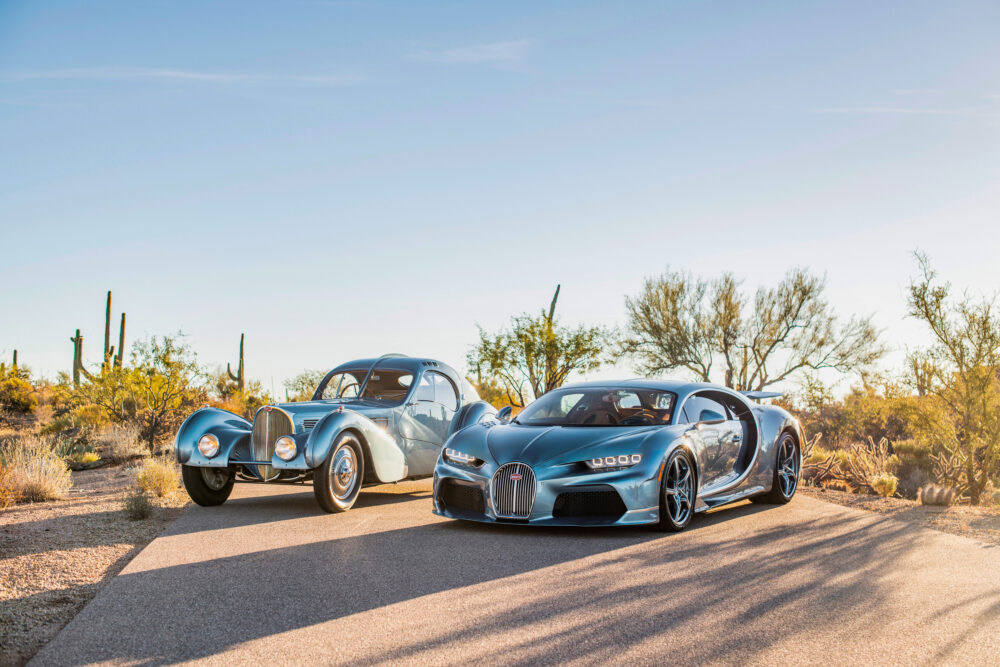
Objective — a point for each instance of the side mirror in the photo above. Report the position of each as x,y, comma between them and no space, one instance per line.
504,414
710,417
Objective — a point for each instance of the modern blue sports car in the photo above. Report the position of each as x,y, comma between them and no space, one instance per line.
623,453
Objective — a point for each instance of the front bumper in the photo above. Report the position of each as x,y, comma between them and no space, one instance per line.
638,488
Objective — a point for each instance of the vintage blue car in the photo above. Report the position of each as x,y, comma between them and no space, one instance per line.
370,421
635,452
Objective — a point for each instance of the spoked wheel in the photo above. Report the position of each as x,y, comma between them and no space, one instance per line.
338,480
678,492
208,486
786,472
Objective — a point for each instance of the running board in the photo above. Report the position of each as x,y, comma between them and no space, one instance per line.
703,504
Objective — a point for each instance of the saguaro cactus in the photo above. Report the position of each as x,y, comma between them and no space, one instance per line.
15,358
110,358
239,378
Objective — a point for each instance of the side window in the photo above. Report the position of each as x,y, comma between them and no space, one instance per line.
629,400
444,391
700,408
425,388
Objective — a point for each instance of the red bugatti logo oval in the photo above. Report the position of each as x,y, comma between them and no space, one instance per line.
267,409
516,476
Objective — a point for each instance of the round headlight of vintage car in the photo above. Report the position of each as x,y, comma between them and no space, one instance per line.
208,445
285,448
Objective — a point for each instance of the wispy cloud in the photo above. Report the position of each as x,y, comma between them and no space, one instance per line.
497,54
916,111
166,74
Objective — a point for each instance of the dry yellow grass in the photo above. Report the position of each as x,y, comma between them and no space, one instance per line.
35,472
158,477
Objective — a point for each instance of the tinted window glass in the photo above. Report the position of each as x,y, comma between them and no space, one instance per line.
696,406
425,388
600,406
444,391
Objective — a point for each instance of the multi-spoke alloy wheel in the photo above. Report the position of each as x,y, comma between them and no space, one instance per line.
787,464
677,501
337,481
788,467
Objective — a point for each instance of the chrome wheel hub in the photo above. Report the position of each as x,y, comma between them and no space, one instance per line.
344,473
788,467
215,478
678,490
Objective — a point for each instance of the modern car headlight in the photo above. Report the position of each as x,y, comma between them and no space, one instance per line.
461,458
208,445
614,462
284,448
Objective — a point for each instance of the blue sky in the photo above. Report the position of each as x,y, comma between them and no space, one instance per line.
340,179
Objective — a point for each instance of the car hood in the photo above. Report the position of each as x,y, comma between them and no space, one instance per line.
319,409
562,444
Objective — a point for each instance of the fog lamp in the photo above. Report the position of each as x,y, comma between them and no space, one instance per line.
208,445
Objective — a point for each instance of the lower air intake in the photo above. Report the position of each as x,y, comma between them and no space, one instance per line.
456,496
599,503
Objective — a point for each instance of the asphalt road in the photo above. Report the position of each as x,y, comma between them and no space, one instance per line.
267,578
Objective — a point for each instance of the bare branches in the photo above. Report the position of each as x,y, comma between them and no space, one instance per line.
681,321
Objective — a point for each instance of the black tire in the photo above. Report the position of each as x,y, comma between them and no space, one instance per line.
208,486
674,495
779,493
337,482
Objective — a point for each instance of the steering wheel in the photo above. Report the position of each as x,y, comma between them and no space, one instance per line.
592,417
642,418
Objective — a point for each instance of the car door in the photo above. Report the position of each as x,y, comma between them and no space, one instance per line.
429,416
711,430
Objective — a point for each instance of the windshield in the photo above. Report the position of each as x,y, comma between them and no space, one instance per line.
600,406
385,385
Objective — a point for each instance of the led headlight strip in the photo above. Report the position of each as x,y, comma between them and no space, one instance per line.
621,461
455,456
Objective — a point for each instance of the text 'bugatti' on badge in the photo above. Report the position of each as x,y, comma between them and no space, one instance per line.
515,477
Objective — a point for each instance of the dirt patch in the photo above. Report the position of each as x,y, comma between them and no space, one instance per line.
56,556
980,523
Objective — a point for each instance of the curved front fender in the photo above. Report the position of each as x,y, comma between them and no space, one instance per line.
387,459
229,428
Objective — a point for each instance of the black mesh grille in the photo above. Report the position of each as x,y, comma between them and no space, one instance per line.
461,496
601,503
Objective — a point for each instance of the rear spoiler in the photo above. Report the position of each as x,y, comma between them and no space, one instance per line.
758,395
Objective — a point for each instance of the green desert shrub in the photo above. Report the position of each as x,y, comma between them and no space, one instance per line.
16,393
884,484
137,505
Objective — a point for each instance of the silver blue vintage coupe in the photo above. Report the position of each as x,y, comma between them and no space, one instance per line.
635,452
370,421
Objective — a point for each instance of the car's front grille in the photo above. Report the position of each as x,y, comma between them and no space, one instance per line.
512,490
598,503
269,424
461,496
309,424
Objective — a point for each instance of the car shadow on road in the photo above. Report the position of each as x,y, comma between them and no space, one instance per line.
837,563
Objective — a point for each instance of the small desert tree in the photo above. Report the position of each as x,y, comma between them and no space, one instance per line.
536,354
302,386
682,321
154,393
961,369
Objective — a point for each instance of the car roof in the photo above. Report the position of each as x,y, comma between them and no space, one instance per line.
680,387
400,361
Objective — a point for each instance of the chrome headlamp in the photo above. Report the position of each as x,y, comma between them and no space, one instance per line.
284,448
208,445
614,462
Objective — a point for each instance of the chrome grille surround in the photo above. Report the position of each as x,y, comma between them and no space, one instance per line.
269,424
513,498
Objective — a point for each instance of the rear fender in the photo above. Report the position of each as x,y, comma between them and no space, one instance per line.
470,414
387,459
231,430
